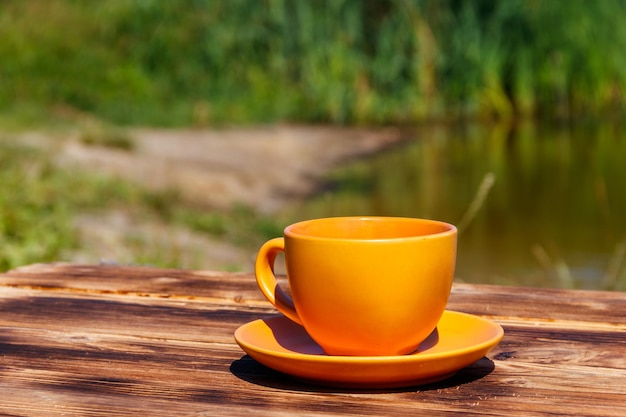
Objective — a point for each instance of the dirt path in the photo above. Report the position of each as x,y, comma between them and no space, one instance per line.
265,168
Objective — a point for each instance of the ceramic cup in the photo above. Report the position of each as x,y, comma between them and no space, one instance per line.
366,286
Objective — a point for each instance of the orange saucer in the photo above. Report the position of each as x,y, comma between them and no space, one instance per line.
458,341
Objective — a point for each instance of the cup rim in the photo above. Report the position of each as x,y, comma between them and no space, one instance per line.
448,228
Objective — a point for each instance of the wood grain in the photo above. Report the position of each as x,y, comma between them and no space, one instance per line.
78,340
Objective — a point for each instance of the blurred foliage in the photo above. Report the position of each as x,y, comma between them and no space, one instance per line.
342,61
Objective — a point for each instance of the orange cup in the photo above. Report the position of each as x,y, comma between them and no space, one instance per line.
366,286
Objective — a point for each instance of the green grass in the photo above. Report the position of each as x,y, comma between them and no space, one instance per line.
35,222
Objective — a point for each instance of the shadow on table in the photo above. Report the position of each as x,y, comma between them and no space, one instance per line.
247,369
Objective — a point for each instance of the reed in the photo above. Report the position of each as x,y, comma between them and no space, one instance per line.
477,202
340,61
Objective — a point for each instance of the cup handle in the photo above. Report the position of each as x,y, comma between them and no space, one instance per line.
266,280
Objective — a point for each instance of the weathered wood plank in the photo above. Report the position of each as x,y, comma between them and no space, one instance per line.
540,304
92,341
219,287
143,282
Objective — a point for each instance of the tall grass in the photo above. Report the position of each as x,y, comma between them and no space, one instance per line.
340,61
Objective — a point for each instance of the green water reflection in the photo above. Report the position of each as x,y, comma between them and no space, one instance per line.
554,216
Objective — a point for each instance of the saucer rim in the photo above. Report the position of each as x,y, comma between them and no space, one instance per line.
374,372
412,357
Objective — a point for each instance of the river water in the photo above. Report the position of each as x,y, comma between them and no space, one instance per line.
536,205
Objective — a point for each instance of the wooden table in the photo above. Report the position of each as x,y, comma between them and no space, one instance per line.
109,340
